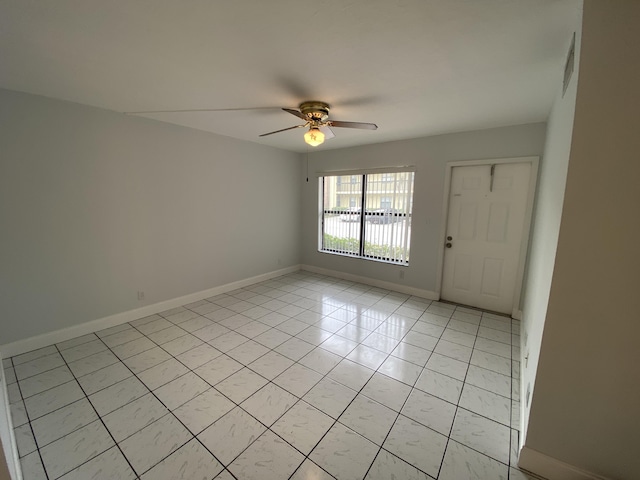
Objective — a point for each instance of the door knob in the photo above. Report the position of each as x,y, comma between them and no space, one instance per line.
448,244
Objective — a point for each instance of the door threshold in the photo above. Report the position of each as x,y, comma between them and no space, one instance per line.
493,312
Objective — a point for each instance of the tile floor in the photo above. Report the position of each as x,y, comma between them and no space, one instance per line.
301,377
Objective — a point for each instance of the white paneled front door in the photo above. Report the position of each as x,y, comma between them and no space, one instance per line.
487,209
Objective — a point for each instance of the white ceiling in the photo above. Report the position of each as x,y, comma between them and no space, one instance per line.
414,67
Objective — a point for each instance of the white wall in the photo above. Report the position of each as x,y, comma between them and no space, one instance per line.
429,155
96,205
585,405
546,225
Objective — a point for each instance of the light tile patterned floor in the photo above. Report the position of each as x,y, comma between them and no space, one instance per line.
302,377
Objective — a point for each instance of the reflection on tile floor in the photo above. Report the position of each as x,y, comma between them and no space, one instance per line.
304,377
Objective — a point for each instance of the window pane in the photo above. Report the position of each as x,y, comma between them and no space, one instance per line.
341,224
388,227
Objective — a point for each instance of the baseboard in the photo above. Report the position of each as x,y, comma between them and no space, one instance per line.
57,336
418,292
551,468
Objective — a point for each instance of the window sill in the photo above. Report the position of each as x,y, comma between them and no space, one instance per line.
371,259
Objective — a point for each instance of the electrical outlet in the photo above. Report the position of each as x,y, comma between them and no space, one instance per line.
140,295
401,274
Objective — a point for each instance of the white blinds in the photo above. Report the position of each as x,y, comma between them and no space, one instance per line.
380,231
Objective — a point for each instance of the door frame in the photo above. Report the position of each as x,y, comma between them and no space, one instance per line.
526,230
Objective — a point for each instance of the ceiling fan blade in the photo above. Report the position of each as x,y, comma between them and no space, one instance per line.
328,133
364,126
283,130
296,113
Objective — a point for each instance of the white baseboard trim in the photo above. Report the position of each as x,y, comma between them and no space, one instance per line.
418,292
57,336
551,468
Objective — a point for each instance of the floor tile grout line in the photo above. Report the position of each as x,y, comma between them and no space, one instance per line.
487,390
454,418
508,465
100,417
15,365
57,409
159,386
44,469
457,405
103,424
400,413
47,390
268,428
238,405
464,382
169,412
79,344
54,411
334,422
36,374
360,392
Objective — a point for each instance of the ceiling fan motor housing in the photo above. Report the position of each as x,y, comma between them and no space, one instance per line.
316,111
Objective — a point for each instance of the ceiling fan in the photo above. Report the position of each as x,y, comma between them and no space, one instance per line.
316,117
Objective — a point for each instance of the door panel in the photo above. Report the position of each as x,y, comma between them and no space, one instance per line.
462,272
485,221
467,222
498,222
491,276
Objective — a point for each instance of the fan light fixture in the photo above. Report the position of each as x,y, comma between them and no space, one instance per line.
316,116
314,137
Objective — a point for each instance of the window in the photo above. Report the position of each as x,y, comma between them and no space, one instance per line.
382,231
